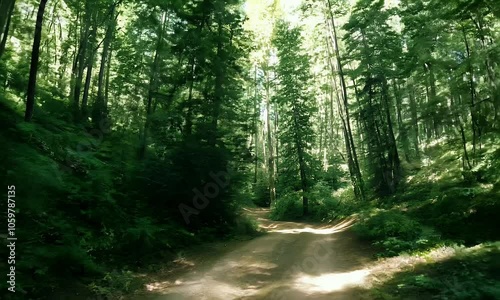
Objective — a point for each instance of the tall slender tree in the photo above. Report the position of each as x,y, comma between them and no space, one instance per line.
35,54
6,10
295,101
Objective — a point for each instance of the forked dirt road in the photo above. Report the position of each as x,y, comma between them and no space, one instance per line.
293,261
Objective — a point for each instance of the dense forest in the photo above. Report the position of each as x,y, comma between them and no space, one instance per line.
134,130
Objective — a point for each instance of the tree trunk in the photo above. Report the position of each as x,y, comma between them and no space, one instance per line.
347,140
64,59
464,145
270,160
79,64
434,100
333,144
189,114
73,30
276,142
456,120
414,119
88,77
6,10
429,116
403,133
99,107
108,71
6,7
393,157
48,42
302,164
321,136
357,171
476,131
361,136
218,82
152,84
489,63
35,53
255,127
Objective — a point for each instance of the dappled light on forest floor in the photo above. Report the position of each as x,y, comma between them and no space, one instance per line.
309,261
261,216
293,260
183,262
328,283
311,229
387,269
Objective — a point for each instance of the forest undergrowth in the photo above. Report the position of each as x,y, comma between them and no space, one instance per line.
440,209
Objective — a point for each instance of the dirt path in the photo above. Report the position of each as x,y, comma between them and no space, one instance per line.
292,261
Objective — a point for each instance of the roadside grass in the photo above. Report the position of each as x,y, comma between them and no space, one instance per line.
439,209
449,272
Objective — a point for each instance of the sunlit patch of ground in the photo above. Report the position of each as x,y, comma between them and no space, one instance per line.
375,273
315,230
184,262
328,283
294,227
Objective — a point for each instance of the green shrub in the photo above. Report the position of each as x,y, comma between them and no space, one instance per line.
475,206
385,224
393,231
261,194
245,226
323,206
288,206
115,283
142,237
471,273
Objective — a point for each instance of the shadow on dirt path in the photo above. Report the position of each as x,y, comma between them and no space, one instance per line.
292,261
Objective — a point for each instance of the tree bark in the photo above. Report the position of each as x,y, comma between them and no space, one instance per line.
255,127
476,131
79,64
6,7
88,77
302,163
429,116
108,72
270,158
433,99
189,114
152,84
99,107
403,133
393,157
357,170
35,53
414,119
218,83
